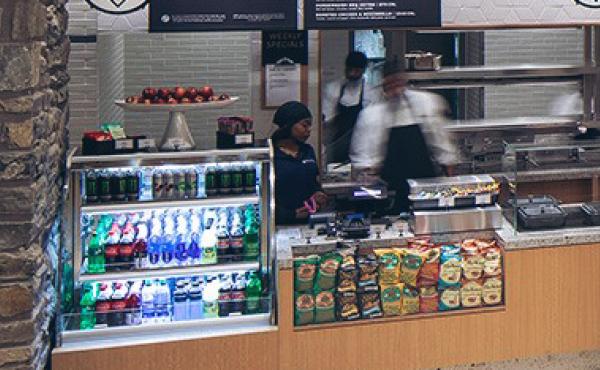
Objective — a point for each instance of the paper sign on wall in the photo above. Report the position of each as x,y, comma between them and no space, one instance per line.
282,84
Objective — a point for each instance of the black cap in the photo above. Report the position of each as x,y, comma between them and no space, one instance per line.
291,113
356,59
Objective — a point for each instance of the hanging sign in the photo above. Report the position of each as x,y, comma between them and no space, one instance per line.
202,15
279,46
117,6
366,14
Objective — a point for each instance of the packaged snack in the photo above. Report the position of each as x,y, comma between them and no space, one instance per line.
369,302
492,291
492,265
470,293
325,307
473,263
410,301
450,267
347,274
449,299
367,267
411,265
327,272
389,266
430,272
347,306
304,272
304,309
428,299
391,299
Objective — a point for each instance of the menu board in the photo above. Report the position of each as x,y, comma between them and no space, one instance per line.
202,15
361,14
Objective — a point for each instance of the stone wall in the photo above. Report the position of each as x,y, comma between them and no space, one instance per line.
33,137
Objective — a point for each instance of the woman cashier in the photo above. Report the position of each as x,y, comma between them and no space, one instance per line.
297,188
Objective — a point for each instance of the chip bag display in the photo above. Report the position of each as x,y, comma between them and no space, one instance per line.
492,265
411,265
389,265
492,291
428,299
450,267
304,309
410,300
327,271
449,299
470,293
369,302
391,299
347,306
367,270
430,272
304,273
325,307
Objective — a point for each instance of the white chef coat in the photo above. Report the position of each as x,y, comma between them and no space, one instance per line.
351,97
371,134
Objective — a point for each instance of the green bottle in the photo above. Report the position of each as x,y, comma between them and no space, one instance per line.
253,293
96,254
251,240
88,306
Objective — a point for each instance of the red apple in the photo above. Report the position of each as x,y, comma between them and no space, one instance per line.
160,101
164,93
172,100
192,92
149,93
223,97
206,92
185,100
179,92
198,99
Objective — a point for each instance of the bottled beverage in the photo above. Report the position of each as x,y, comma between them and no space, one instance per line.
238,297
180,308
223,242
126,247
147,186
182,240
148,311
251,240
249,175
158,187
118,186
223,180
237,180
191,183
96,262
133,315
169,185
168,242
224,299
253,293
194,252
162,299
236,244
179,178
154,243
140,247
118,305
208,246
104,187
103,305
132,185
210,181
91,187
87,318
210,300
196,304
111,250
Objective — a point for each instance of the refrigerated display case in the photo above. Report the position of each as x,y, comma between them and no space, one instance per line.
167,245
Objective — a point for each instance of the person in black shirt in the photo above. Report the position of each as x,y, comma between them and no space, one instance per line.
298,192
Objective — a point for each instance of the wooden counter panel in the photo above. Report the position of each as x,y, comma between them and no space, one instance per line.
241,352
552,300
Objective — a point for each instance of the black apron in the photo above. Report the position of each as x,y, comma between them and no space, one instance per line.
408,157
338,149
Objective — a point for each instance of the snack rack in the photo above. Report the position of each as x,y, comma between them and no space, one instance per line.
75,276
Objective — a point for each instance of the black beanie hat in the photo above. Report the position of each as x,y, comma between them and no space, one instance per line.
290,113
356,59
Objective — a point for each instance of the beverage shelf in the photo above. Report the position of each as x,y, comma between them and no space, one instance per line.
241,200
171,272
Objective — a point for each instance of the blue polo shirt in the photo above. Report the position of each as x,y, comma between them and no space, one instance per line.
295,181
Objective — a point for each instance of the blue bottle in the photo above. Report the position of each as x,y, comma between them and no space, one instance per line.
168,243
154,243
181,243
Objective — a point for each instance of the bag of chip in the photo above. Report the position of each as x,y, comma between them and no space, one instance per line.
367,270
389,266
428,299
450,267
470,293
391,299
449,299
411,265
473,263
347,274
347,306
492,265
304,272
492,291
304,309
369,302
410,300
324,307
430,272
327,272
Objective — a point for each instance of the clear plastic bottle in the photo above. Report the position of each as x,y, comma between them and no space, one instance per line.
208,245
210,298
148,310
162,299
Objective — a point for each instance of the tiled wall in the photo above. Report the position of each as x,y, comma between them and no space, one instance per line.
111,69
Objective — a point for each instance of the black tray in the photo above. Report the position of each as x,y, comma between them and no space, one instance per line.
533,200
592,213
459,202
541,216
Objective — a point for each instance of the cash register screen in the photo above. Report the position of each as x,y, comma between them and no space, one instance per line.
365,193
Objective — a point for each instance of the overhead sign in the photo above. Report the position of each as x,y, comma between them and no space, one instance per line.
365,14
117,6
201,15
589,3
284,47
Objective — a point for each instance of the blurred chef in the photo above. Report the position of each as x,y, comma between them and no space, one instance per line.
297,188
342,102
402,137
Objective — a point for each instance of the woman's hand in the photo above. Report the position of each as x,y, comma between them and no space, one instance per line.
301,213
320,198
